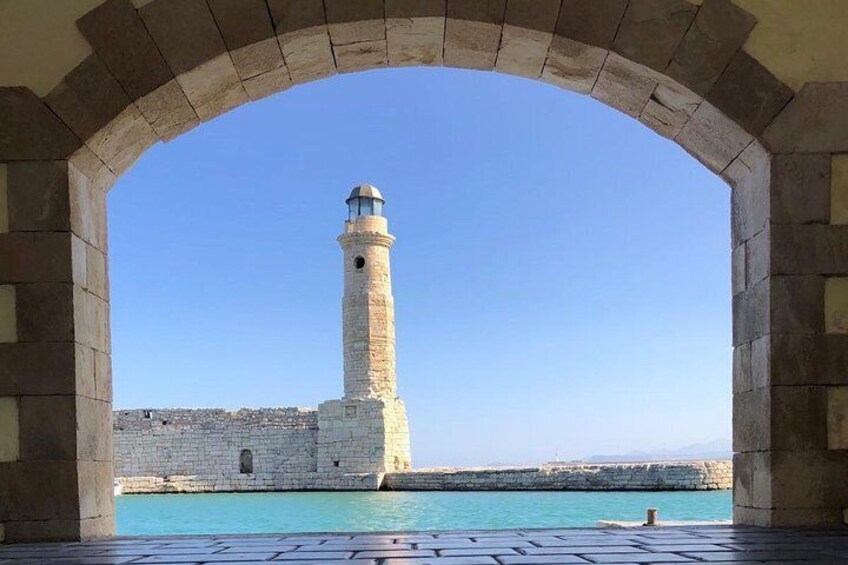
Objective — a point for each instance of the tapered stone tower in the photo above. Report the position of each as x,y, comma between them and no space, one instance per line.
367,431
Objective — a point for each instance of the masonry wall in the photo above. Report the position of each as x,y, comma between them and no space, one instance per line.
201,450
684,475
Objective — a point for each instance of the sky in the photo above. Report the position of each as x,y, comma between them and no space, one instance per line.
561,273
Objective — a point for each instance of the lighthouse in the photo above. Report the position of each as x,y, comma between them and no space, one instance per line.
367,430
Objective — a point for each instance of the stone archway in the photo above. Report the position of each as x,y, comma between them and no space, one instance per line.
680,68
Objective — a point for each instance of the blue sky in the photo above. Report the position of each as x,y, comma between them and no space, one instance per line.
561,273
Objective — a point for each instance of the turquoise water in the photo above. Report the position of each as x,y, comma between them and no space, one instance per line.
379,511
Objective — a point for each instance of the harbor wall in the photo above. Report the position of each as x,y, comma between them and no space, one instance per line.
670,475
279,449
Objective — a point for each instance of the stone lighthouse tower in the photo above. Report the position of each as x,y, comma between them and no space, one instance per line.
367,431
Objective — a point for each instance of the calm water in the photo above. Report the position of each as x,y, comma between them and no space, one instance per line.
380,511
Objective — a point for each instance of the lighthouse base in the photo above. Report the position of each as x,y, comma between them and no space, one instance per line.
363,436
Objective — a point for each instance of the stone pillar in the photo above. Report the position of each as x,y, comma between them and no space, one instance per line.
790,326
55,381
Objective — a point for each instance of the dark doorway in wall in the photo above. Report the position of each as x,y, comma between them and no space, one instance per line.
246,462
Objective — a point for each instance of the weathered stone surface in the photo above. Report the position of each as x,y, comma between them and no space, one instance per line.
362,55
471,45
35,257
523,52
48,428
796,304
719,30
808,479
296,15
120,39
8,314
804,359
798,418
651,30
743,379
168,111
184,31
751,424
88,98
38,196
749,176
409,9
121,142
749,94
308,54
713,138
839,190
533,15
96,498
808,249
815,121
30,131
415,40
268,83
93,168
837,418
88,209
91,320
669,108
594,23
36,368
836,305
258,58
9,429
213,87
27,483
45,312
573,65
94,437
739,268
625,85
800,188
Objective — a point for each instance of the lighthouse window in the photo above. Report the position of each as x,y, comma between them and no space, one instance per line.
359,263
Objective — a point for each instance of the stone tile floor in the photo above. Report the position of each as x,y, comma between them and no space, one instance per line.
702,544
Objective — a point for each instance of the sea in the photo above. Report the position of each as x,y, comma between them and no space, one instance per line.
301,512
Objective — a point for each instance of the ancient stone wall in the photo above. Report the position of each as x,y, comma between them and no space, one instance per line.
682,475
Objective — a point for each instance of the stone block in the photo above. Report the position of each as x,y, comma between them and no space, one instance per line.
749,94
84,371
8,314
242,22
797,304
97,276
38,490
800,188
88,98
751,314
651,30
38,368
798,417
168,111
739,268
4,199
471,44
713,138
743,380
27,257
836,305
594,23
414,40
718,32
118,36
837,418
48,428
103,376
751,480
669,108
213,87
752,426
572,65
625,85
123,140
266,84
184,31
9,429
355,21
308,54
804,249
96,489
758,257
45,312
296,15
87,209
411,9
258,58
352,57
94,433
533,15
86,162
523,52
31,130
91,320
809,479
839,190
38,196
814,121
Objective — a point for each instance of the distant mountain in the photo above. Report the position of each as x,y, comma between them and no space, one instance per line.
716,449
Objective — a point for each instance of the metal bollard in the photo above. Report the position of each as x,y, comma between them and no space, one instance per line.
652,517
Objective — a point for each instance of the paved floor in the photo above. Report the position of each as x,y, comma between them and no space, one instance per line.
717,544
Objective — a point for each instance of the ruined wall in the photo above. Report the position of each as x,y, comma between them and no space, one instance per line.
681,475
202,449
